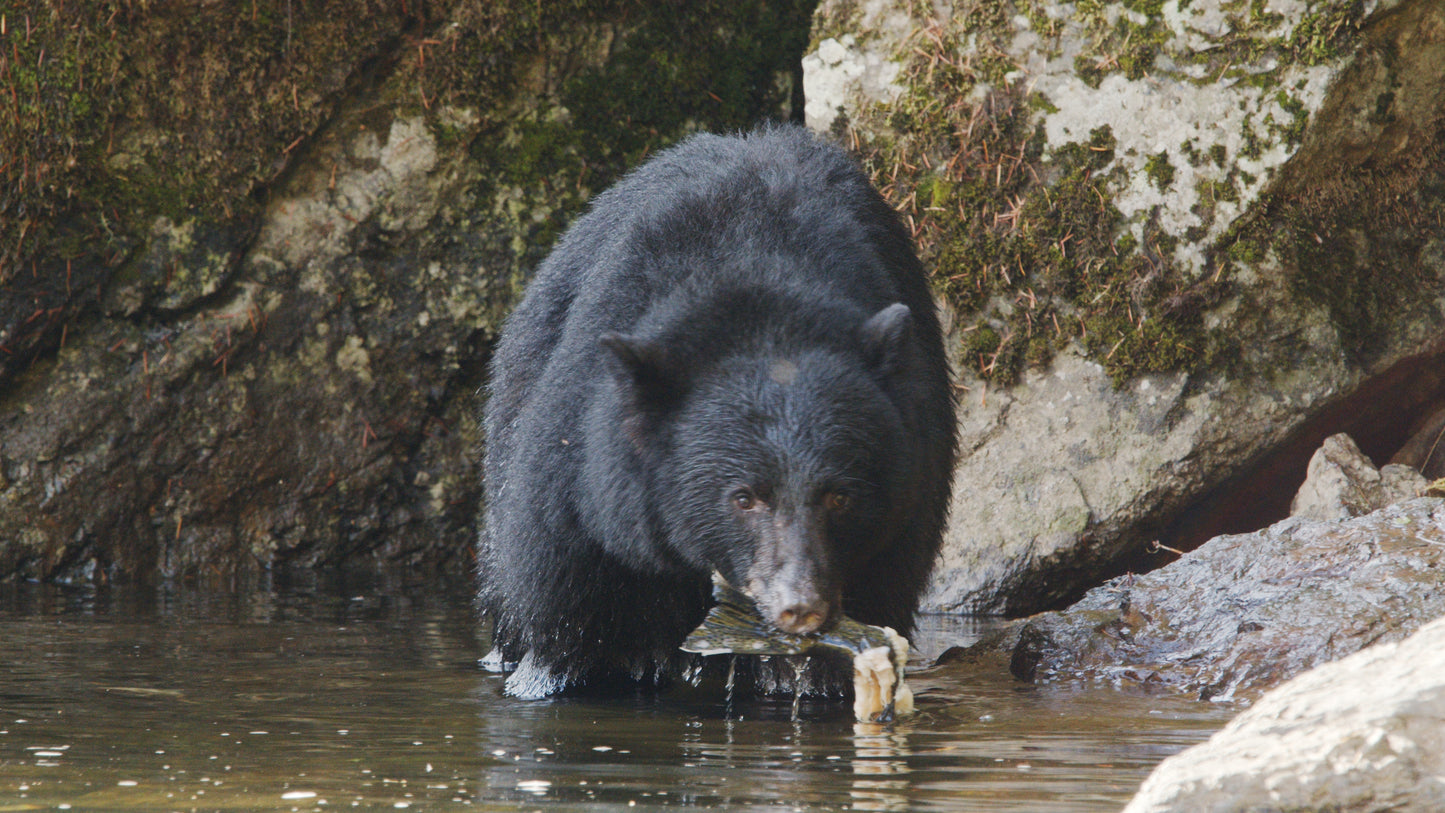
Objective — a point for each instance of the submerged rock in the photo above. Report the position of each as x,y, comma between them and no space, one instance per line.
1244,613
1363,733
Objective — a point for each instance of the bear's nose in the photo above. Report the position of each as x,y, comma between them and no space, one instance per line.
802,618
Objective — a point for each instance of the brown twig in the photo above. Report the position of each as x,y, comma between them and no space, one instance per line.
1155,547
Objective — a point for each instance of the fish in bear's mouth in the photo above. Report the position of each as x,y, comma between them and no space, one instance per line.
734,626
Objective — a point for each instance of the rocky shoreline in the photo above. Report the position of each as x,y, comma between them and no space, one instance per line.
1327,625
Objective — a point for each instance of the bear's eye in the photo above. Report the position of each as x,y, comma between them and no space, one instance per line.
837,502
745,500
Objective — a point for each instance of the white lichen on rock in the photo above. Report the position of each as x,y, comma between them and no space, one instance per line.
845,68
1232,129
353,358
1197,140
370,178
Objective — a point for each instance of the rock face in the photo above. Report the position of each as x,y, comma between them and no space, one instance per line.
1243,613
251,262
1363,733
1182,242
1342,483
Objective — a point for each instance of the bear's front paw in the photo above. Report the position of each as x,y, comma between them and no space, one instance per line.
533,680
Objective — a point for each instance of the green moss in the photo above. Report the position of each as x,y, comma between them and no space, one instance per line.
1335,245
1154,345
1191,153
1253,145
1293,132
708,65
1259,16
1149,8
1160,171
1323,36
1039,20
1039,351
1024,239
1121,46
1039,102
997,358
980,346
1135,62
939,192
1090,69
1245,250
1030,249
540,149
1250,54
132,111
1329,238
1212,191
669,70
1045,238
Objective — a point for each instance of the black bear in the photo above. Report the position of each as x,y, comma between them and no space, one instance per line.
732,362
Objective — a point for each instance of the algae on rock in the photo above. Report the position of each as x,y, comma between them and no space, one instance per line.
251,259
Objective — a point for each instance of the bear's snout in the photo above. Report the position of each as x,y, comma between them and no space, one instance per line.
790,576
802,617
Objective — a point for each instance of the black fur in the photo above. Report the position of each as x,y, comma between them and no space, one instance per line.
732,362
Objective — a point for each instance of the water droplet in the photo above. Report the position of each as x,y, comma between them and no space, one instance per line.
799,665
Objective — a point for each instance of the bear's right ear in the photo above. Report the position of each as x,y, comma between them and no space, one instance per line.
641,369
886,336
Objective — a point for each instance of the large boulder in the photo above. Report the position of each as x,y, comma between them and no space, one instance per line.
1245,612
1363,733
251,261
1181,242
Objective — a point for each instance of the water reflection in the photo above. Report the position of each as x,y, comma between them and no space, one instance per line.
365,694
880,767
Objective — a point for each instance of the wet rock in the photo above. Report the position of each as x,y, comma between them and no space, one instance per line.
1362,733
1342,482
1160,231
1246,612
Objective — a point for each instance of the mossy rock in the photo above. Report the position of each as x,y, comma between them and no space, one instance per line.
251,258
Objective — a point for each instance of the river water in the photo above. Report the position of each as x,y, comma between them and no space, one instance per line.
365,694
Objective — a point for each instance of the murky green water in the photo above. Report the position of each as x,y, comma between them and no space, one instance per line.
366,695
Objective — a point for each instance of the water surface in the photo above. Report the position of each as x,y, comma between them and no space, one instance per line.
366,695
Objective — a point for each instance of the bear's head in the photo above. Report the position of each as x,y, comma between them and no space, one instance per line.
783,463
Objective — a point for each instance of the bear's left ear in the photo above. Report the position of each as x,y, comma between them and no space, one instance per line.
885,337
642,370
